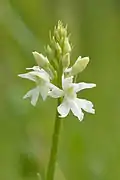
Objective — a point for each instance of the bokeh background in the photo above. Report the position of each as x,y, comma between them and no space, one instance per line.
88,150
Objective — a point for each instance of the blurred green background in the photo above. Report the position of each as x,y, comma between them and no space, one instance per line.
89,150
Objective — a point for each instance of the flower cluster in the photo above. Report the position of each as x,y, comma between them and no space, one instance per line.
54,77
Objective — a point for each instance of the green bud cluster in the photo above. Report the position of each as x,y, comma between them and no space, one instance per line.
59,49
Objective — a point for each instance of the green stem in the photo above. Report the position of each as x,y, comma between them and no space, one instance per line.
54,148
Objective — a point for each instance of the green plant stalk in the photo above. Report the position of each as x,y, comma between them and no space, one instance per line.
54,148
56,133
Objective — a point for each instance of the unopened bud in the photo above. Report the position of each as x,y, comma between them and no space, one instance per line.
55,45
66,61
58,48
67,46
41,60
48,49
79,65
49,52
62,31
56,34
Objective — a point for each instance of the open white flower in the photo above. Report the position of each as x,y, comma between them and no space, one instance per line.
42,80
70,100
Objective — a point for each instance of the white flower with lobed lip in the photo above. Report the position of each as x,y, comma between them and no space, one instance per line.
70,100
42,80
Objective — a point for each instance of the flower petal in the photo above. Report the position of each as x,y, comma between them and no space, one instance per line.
34,75
33,94
44,91
67,82
80,86
28,76
76,110
41,74
85,105
55,91
63,109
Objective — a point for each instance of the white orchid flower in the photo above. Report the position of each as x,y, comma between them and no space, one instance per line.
42,80
70,100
